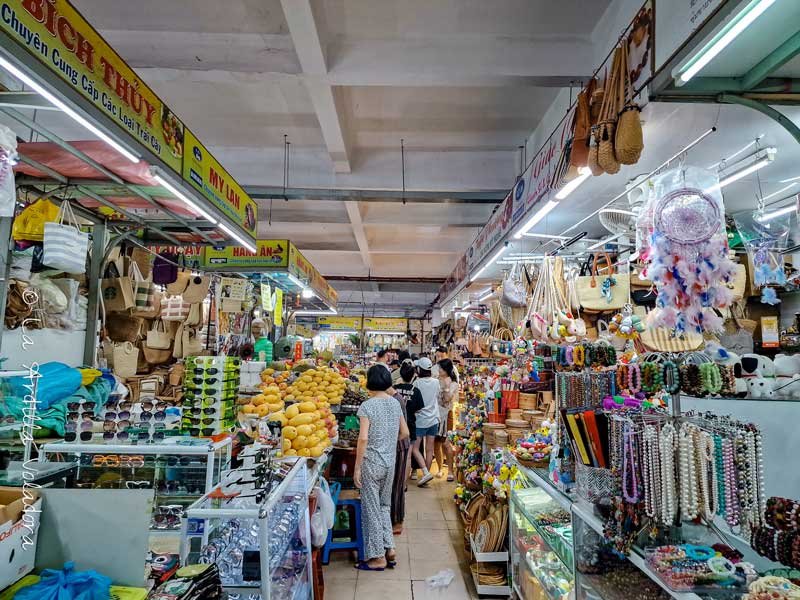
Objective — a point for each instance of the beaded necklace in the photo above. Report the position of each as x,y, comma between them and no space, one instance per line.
669,503
630,482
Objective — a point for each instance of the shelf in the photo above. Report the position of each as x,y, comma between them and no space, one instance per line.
536,572
487,557
735,399
566,559
165,448
540,478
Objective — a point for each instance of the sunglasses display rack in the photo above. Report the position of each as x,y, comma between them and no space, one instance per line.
211,386
179,470
257,532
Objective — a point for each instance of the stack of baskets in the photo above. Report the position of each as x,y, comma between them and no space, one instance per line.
533,417
490,431
517,429
528,401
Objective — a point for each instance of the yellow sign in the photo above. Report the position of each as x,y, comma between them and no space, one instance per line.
392,324
61,39
305,271
277,314
210,178
338,324
270,254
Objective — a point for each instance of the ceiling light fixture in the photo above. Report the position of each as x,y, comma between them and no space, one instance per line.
330,311
307,293
490,262
786,210
295,280
722,39
583,174
486,296
538,216
767,156
790,179
384,332
193,206
735,154
39,89
249,246
608,240
780,191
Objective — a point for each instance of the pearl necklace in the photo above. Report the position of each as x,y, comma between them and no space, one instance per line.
689,503
652,475
708,487
762,499
669,503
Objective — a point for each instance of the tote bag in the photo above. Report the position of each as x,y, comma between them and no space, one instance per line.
65,245
118,295
126,359
590,288
143,289
174,308
158,336
197,288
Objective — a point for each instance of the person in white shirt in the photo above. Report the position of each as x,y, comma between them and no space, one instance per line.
427,418
448,395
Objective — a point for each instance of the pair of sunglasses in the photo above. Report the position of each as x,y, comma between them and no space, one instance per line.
200,420
122,436
173,461
209,371
122,415
165,521
149,405
88,405
156,436
159,415
200,411
138,485
205,431
74,416
118,460
71,436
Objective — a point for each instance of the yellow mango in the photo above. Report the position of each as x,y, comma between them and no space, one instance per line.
289,432
305,429
307,407
278,416
292,411
287,445
305,452
317,451
299,442
291,452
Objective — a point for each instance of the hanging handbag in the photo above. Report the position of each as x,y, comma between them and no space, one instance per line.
152,356
65,246
179,285
174,308
582,132
152,311
29,224
118,294
158,336
197,288
126,359
122,327
195,316
629,141
607,292
144,260
192,345
165,268
606,127
513,290
142,289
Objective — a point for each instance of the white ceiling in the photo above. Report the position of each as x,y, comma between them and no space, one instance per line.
462,82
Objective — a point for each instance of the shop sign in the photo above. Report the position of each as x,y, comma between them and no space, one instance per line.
209,177
270,254
187,251
393,324
457,275
305,271
492,233
338,324
676,22
56,34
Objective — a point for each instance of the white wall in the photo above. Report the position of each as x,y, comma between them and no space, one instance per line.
46,345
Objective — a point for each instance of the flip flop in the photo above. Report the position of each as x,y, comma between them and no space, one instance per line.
364,566
391,564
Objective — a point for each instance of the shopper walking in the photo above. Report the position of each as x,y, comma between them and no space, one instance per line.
410,399
427,418
382,425
448,394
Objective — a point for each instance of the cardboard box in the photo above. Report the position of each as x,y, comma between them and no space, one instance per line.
17,526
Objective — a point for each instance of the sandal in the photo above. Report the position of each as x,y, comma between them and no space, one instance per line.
364,566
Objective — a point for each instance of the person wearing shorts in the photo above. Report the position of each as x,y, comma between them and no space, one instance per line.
427,418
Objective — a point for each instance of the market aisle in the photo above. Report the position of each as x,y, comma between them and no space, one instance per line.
433,540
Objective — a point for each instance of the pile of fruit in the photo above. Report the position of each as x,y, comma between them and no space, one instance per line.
308,427
354,396
322,382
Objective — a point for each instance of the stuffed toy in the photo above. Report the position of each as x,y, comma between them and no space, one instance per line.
787,376
760,374
724,357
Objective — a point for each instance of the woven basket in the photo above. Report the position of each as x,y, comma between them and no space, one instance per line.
606,156
501,438
593,161
489,430
534,464
528,401
515,434
514,413
629,141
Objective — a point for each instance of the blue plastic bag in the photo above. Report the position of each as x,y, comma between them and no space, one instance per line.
56,382
68,584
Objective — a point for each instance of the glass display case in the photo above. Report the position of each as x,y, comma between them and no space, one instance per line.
541,546
261,543
179,471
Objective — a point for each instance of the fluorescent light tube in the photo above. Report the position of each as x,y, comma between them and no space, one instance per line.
370,332
247,244
546,236
780,191
584,174
67,110
538,216
786,210
307,293
634,257
720,41
335,332
330,311
608,240
489,263
790,179
739,174
194,207
488,295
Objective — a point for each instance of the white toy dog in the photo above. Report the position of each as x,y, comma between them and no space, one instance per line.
787,376
760,374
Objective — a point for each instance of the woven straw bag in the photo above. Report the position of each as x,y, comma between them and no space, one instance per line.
582,130
629,141
606,128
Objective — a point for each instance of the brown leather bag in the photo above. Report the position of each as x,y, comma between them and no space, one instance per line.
579,157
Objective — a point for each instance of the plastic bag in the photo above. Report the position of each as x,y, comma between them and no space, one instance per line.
8,158
322,519
29,224
441,580
68,584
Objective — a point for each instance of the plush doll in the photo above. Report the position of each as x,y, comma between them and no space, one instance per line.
760,374
787,376
724,357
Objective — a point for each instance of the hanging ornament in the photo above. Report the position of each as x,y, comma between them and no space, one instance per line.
689,262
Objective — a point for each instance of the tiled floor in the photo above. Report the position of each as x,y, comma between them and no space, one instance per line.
433,540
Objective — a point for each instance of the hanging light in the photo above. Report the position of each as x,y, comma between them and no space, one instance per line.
583,174
155,173
490,262
761,159
307,293
538,216
722,39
